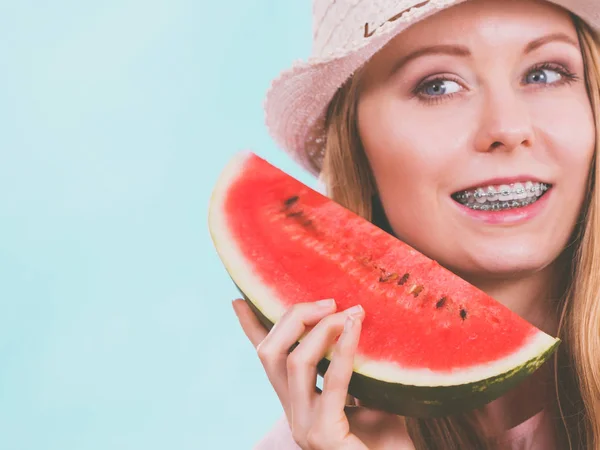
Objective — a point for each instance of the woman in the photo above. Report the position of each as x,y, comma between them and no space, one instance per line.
468,130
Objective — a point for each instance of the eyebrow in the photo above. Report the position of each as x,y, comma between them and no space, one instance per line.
453,50
458,50
554,37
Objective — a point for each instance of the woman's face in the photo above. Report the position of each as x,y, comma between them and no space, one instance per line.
470,115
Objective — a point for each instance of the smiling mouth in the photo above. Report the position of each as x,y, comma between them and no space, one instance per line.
502,197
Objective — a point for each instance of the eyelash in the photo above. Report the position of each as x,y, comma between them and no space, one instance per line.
567,77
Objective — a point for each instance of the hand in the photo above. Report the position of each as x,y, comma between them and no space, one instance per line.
318,421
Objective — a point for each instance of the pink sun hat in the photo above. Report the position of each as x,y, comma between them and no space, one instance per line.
346,34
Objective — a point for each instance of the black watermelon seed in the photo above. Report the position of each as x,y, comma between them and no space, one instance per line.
441,302
295,214
404,279
290,201
463,313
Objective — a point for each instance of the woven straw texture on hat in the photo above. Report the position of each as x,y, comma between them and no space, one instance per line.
346,34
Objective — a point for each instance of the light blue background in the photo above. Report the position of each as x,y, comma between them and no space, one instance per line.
116,329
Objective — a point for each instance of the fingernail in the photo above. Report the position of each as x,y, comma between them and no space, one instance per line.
355,310
348,324
325,303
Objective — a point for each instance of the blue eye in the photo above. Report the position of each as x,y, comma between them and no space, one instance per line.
436,88
544,76
549,74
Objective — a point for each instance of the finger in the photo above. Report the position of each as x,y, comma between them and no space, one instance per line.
337,378
253,329
273,351
302,365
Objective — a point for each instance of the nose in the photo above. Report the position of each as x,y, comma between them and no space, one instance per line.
505,122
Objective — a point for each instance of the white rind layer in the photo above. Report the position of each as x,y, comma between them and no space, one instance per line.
538,344
248,281
271,307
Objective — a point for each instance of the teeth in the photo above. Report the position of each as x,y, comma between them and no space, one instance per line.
491,198
540,189
505,193
480,196
529,189
469,197
519,190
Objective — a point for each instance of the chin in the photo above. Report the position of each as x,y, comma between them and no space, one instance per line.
506,261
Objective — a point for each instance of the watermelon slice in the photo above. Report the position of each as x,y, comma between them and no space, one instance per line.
431,343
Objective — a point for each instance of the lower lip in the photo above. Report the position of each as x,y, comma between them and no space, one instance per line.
508,216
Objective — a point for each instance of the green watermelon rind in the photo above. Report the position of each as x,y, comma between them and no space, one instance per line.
372,390
427,401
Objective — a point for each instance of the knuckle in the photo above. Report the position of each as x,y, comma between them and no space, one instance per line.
295,361
265,353
291,315
333,321
295,309
299,310
333,381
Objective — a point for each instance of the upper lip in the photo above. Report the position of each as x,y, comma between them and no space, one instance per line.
502,180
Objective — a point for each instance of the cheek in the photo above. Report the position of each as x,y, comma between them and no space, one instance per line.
564,120
414,162
569,135
406,149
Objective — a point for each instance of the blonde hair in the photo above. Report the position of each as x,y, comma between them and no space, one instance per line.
350,182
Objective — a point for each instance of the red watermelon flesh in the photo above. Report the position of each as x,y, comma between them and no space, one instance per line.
284,243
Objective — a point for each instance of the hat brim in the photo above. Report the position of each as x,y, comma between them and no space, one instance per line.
297,100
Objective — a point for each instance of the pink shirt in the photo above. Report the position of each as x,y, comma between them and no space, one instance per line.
536,433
